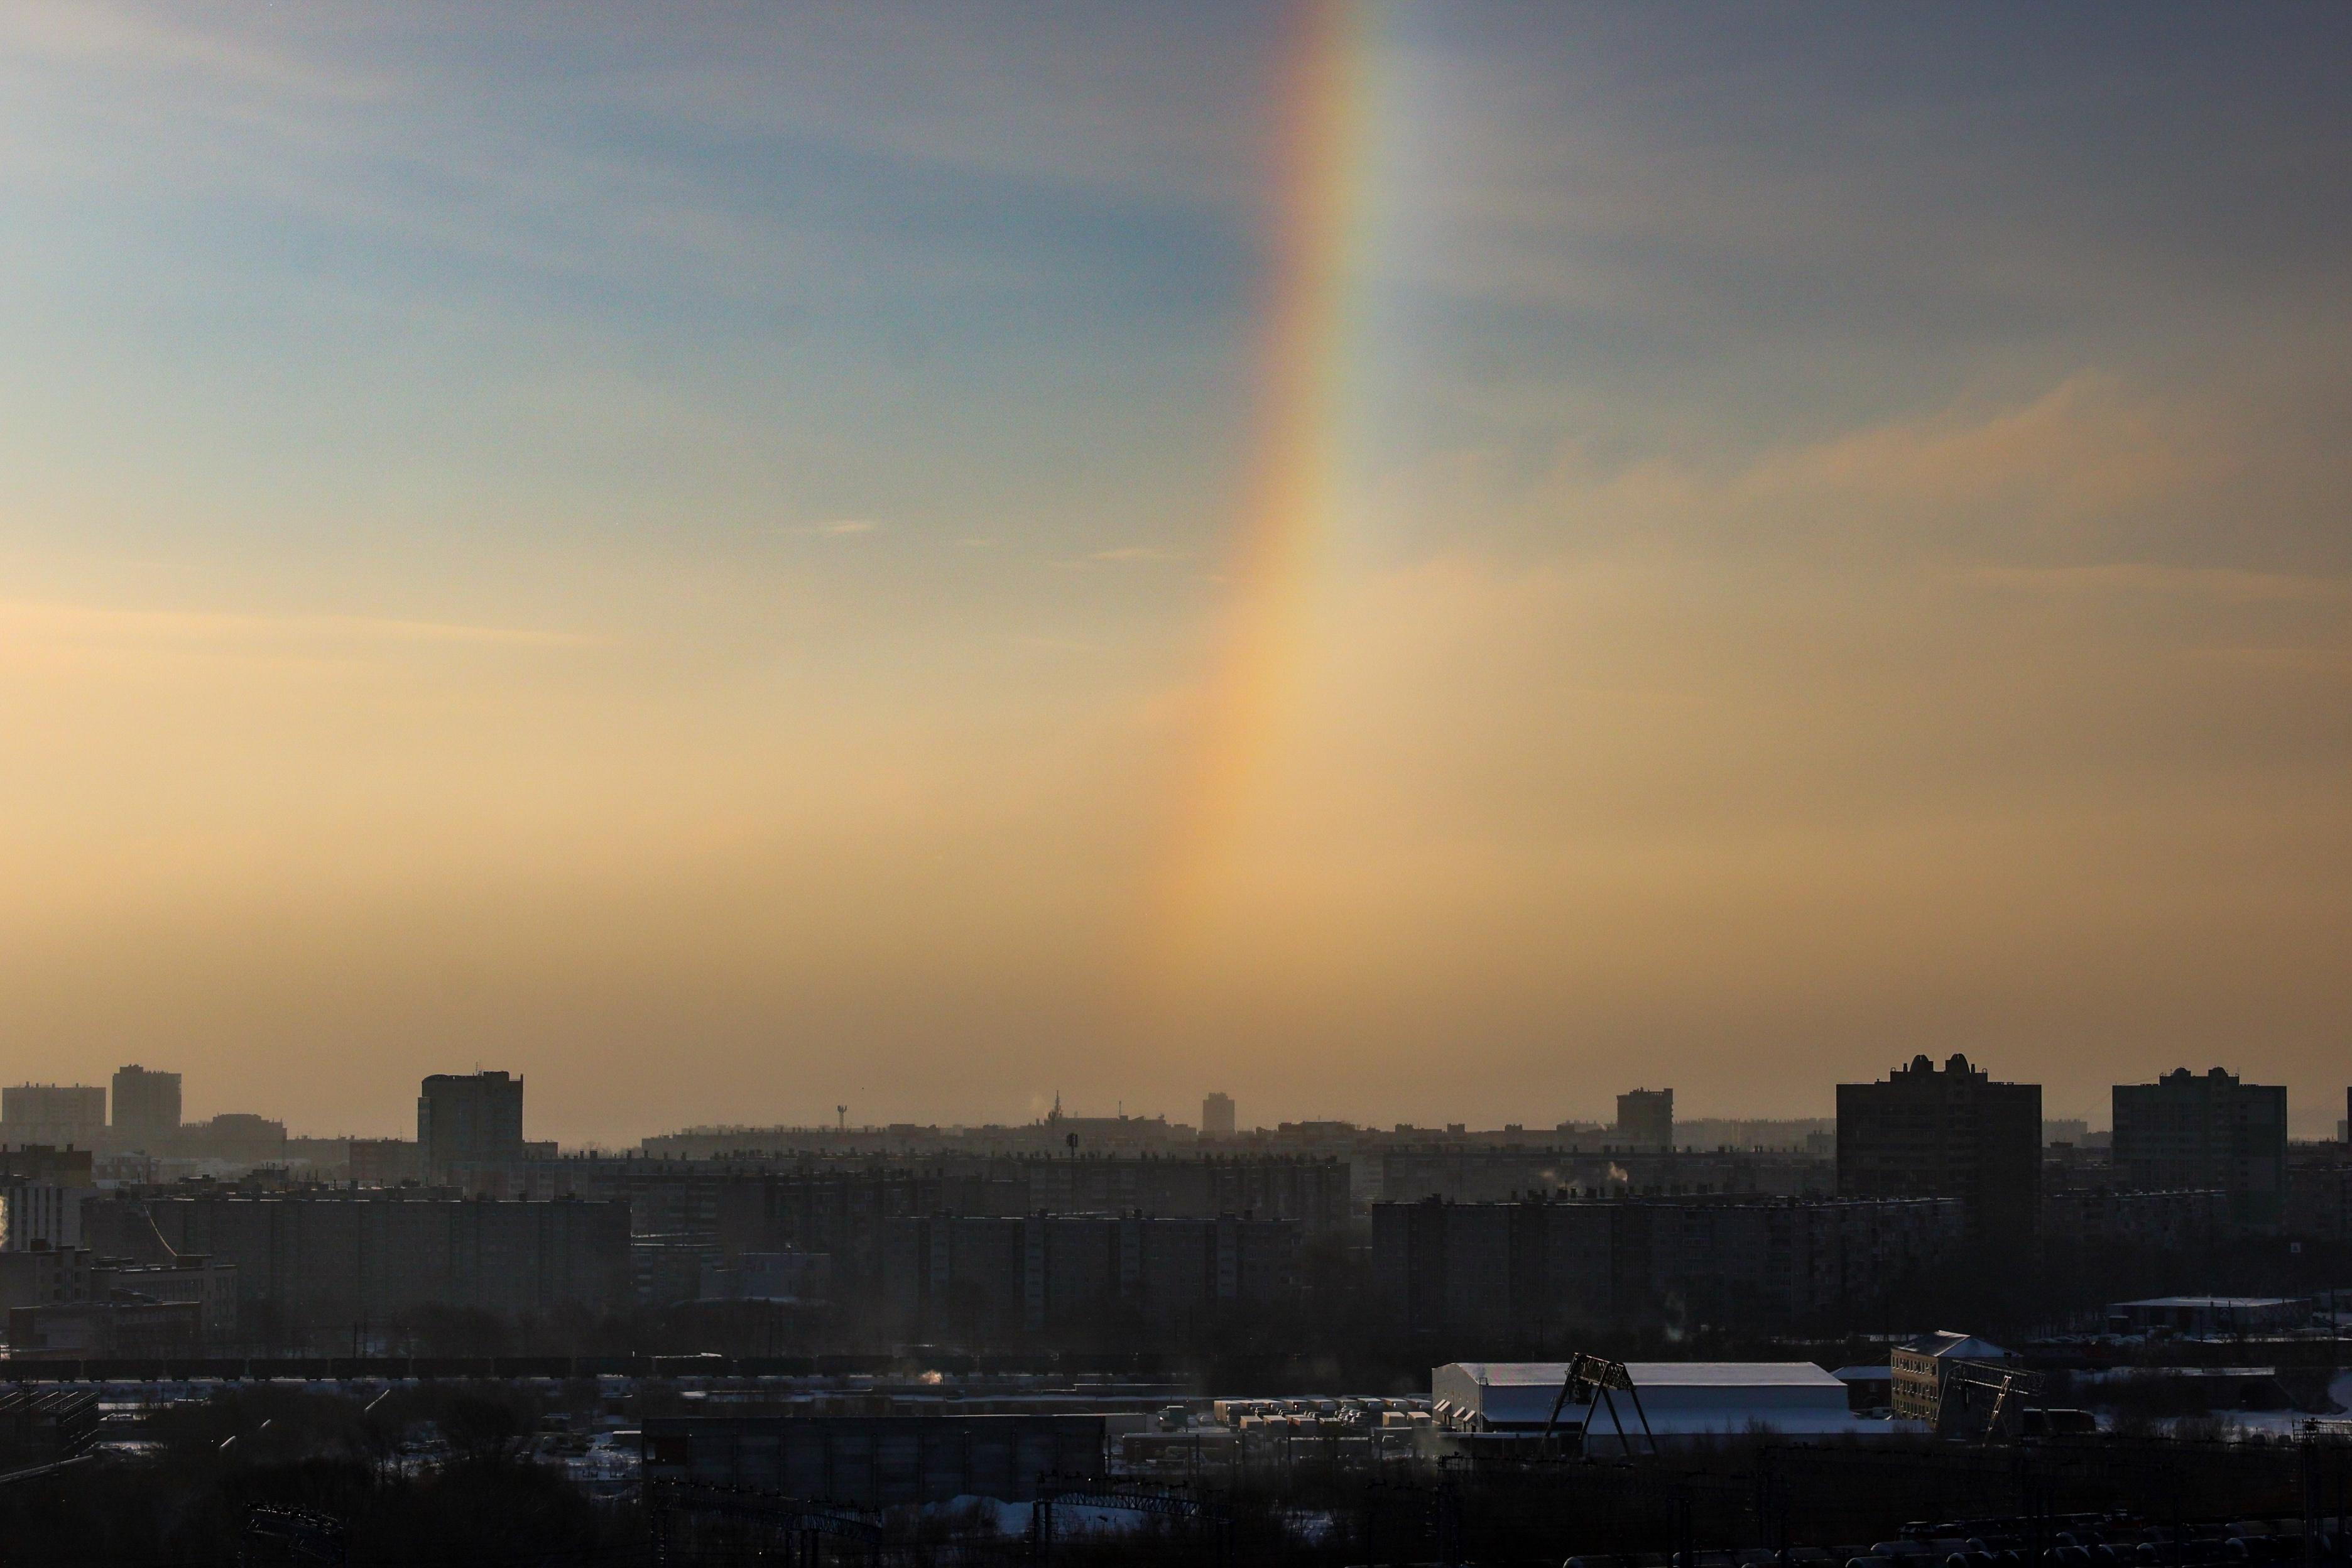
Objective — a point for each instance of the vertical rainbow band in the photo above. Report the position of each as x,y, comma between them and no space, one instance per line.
1294,473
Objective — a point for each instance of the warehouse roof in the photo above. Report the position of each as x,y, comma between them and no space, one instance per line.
1946,1342
1649,1374
1676,1397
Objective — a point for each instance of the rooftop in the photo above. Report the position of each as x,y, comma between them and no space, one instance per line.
1649,1374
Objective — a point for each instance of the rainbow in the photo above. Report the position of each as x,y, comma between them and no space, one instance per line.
1295,471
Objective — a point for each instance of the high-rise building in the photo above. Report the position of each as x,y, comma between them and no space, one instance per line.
1217,1116
63,1116
468,1123
146,1109
1646,1118
2184,1130
1921,1133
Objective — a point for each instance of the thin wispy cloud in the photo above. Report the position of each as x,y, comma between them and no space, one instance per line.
23,621
836,528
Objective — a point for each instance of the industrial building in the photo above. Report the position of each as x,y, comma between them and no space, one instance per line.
2211,1130
1957,1133
1667,1401
1919,1371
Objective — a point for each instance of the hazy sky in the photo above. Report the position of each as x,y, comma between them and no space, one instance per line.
684,551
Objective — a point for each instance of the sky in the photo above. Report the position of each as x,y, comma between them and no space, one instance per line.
1412,563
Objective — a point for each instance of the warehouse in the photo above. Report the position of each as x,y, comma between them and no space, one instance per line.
1680,1400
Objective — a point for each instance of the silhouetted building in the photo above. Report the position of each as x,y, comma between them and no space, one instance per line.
1494,1175
1217,1116
2186,1131
45,1164
234,1138
2319,1192
129,1328
1646,1118
470,1122
1543,1266
977,1279
2086,1221
65,1116
385,1162
337,1260
44,1276
769,1276
205,1283
146,1109
1921,1133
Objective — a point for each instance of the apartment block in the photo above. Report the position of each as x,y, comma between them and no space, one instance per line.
993,1277
1957,1133
63,1116
469,1125
1542,1267
2188,1130
1646,1118
146,1109
342,1259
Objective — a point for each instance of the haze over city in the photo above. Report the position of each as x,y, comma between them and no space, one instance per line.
1406,563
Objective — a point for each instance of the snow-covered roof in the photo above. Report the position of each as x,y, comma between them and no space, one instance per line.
1649,1374
1965,1347
1674,1396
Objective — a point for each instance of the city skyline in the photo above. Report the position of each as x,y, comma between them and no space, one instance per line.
1650,1107
1397,562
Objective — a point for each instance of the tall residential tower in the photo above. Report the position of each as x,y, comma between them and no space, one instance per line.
1921,1133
